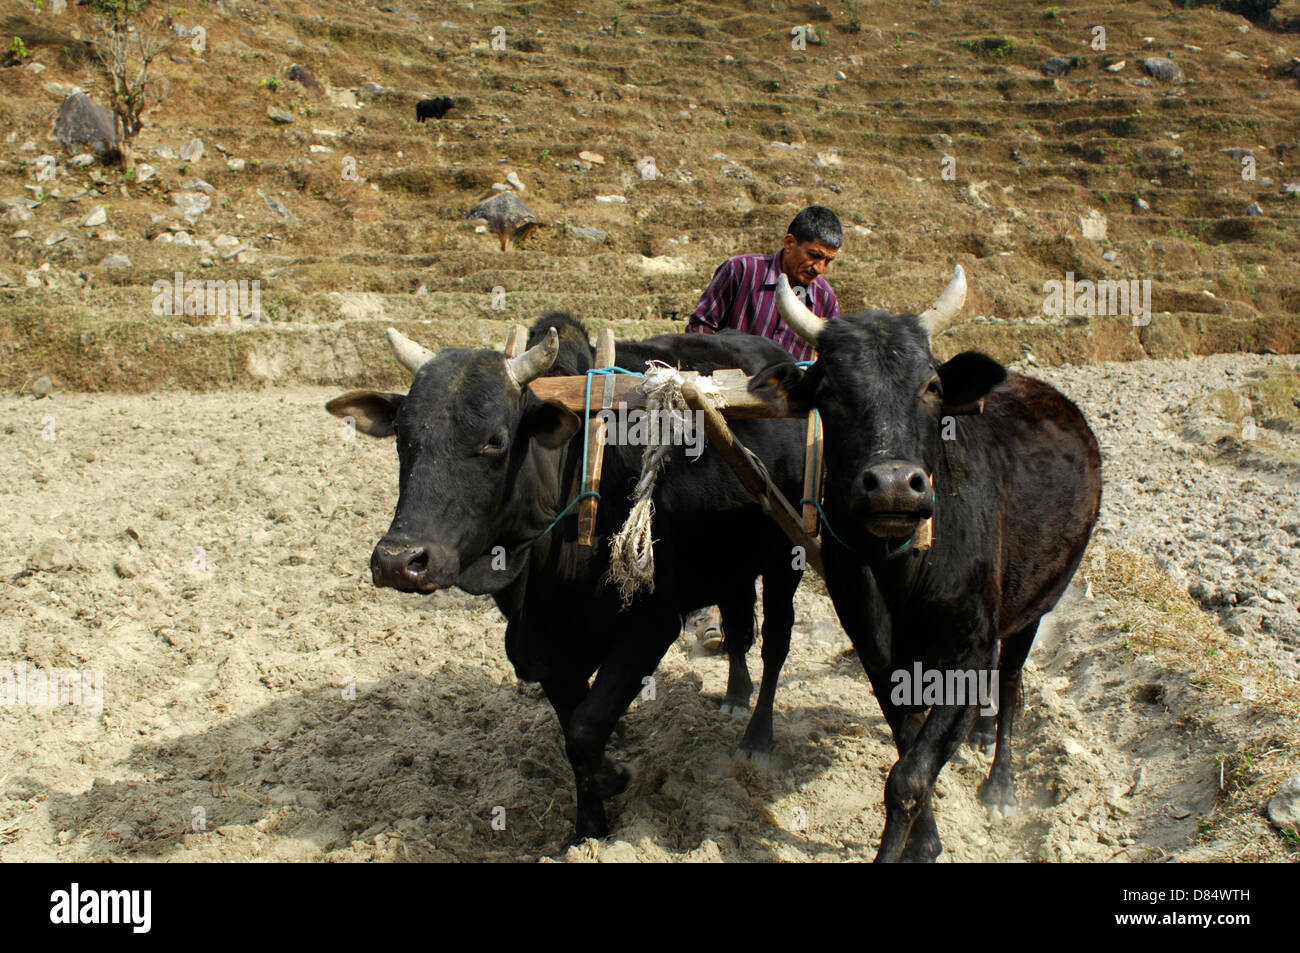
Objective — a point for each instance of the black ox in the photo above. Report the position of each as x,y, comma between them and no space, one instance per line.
1013,494
485,464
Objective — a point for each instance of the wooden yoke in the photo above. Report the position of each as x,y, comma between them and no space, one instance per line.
730,387
731,383
604,391
814,464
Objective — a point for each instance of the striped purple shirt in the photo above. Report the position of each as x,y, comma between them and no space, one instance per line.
742,295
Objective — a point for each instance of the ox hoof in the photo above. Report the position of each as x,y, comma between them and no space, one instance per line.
765,761
999,800
925,851
737,710
1000,812
591,831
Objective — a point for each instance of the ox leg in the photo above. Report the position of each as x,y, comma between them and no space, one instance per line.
911,784
632,658
922,840
923,843
778,620
984,734
565,694
738,637
999,792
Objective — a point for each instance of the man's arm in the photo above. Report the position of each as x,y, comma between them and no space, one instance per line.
710,314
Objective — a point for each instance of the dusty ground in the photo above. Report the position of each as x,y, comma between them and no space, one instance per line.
262,700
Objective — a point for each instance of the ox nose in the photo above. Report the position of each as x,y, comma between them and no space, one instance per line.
413,567
898,488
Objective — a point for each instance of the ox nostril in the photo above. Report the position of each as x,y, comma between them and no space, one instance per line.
870,481
418,563
917,483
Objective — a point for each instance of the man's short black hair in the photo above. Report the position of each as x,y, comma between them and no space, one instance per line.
819,223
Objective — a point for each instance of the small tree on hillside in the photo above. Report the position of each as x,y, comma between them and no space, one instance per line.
129,42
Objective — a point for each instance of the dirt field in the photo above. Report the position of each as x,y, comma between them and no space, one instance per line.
261,700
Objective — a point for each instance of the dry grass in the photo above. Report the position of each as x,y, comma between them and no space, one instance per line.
1274,396
1270,403
1164,623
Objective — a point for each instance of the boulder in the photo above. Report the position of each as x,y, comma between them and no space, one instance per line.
83,122
193,204
275,205
1165,70
1058,65
1284,807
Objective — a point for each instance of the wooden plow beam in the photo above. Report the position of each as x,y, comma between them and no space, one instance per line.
610,390
753,476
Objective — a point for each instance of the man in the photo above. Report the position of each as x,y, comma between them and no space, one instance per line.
742,295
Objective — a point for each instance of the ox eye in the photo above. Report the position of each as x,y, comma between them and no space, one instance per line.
934,388
495,445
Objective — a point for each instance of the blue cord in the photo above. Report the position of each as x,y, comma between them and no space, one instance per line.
564,512
586,442
817,426
853,549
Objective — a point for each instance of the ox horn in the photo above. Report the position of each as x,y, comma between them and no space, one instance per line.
411,355
797,314
949,303
535,361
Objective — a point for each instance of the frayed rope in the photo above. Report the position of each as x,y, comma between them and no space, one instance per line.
632,555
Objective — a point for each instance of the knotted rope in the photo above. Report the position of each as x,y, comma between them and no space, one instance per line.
632,556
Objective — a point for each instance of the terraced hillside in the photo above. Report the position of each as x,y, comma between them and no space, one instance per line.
930,127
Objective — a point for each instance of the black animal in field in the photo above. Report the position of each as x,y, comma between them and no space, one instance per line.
1009,473
436,108
487,479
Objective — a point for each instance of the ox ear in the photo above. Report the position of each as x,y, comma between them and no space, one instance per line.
785,386
968,378
373,413
551,425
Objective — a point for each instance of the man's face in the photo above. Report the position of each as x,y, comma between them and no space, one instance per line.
802,262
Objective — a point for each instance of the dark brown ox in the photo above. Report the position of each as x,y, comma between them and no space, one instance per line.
1012,492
